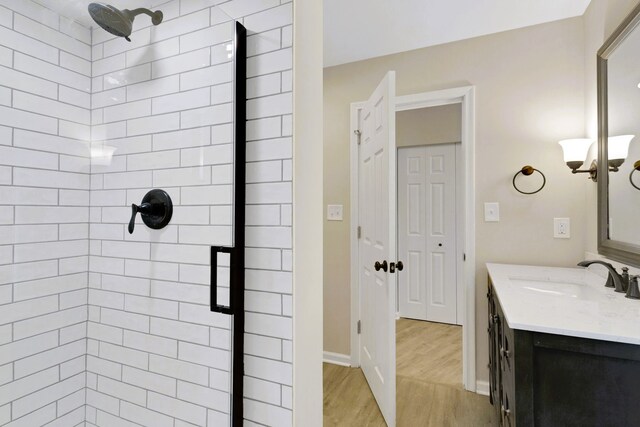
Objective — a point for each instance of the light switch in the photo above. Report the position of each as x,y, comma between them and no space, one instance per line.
492,212
334,212
561,228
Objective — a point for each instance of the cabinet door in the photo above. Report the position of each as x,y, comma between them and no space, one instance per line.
497,340
490,341
491,335
507,416
507,349
506,356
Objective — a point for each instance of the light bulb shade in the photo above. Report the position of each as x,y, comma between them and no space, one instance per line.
618,147
575,150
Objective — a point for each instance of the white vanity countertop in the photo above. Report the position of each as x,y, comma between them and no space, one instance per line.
564,301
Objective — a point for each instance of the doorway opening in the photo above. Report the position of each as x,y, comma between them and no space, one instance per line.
464,239
430,216
463,99
429,293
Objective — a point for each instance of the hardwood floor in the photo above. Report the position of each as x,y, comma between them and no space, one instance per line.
429,352
429,387
347,398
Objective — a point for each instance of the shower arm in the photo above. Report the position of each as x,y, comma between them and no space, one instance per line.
156,17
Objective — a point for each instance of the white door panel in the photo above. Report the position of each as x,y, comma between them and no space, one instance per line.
427,232
412,228
376,189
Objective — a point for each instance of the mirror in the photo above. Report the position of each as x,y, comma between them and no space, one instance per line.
618,112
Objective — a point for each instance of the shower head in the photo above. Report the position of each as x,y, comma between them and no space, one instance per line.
119,22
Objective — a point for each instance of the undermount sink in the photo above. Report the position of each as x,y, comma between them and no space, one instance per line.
550,287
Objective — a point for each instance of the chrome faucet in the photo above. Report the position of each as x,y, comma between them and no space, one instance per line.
615,280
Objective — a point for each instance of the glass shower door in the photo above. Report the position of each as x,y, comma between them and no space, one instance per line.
227,262
182,104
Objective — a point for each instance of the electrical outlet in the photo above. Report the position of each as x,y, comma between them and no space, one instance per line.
561,228
334,212
492,212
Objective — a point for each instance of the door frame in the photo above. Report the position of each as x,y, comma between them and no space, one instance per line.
461,95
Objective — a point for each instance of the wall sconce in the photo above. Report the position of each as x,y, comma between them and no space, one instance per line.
575,152
618,150
576,149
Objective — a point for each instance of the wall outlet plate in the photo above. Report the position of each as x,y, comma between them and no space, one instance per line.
334,212
561,228
492,212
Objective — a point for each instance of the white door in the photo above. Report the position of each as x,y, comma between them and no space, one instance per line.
377,211
427,232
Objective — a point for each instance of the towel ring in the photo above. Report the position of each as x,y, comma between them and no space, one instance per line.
528,170
636,167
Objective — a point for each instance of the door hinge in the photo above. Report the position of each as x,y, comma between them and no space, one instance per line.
359,326
359,232
464,257
358,134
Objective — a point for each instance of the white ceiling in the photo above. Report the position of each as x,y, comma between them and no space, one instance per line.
362,29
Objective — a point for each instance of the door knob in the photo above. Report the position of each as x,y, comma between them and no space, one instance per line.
382,265
155,210
393,266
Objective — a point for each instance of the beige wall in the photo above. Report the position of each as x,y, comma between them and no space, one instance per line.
428,126
529,94
307,213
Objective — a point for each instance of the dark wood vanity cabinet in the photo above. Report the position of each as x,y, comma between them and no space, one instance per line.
509,352
539,379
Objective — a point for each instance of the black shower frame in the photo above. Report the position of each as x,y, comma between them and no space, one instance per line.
236,252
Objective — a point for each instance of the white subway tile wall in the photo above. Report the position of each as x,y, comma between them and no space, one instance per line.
44,211
102,328
156,354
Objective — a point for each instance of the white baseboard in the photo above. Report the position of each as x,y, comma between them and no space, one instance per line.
337,358
482,387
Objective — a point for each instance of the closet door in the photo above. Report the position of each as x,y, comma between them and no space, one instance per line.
427,232
412,233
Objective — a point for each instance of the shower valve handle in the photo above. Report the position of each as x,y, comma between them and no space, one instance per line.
144,208
156,210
